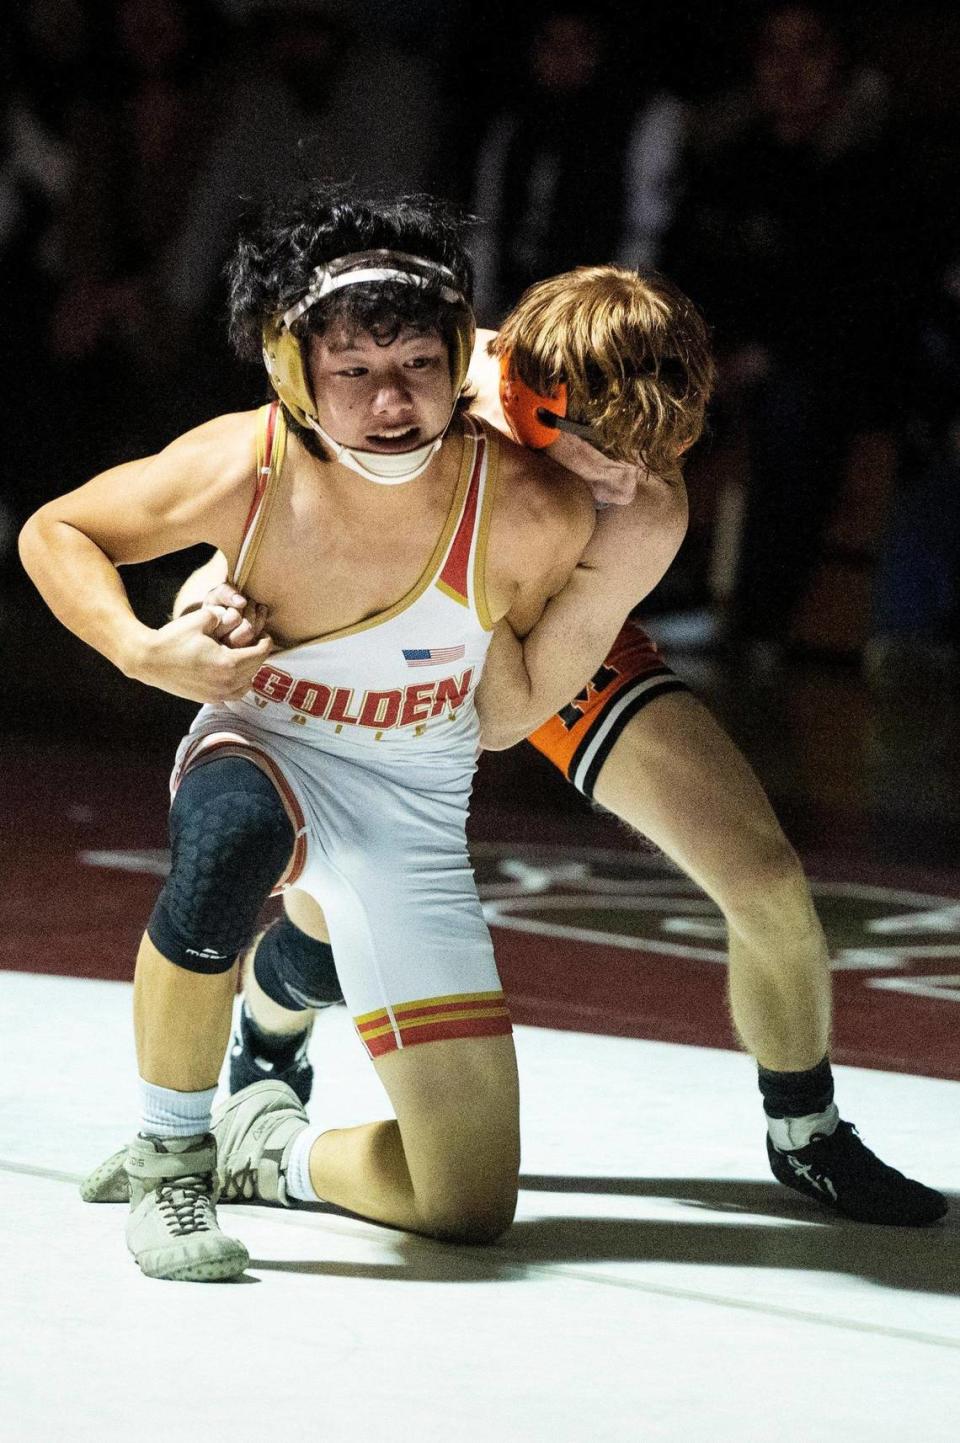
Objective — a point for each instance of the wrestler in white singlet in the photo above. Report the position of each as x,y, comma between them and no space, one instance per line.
370,735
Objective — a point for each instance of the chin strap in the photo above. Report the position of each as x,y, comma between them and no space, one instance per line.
385,468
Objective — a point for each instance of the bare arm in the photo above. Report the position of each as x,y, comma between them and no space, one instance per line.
633,546
193,491
525,681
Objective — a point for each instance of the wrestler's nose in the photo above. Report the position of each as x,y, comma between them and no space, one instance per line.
393,396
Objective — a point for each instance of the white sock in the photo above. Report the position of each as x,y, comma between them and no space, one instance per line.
789,1133
299,1185
165,1113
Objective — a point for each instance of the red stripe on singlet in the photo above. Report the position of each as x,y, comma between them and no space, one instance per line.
456,569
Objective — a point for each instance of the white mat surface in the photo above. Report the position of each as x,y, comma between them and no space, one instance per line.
658,1285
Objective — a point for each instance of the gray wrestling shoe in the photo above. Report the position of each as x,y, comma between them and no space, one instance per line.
108,1183
172,1229
255,1130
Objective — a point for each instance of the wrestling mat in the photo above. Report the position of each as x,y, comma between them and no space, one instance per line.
603,939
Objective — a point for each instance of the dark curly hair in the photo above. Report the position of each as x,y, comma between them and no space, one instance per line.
275,257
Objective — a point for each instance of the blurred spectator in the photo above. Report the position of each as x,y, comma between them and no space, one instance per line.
141,125
788,240
47,51
916,619
308,99
579,169
423,25
47,47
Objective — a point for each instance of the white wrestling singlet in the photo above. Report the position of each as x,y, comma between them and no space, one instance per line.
371,735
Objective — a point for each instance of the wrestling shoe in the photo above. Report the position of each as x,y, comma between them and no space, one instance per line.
287,1061
839,1172
108,1183
172,1229
255,1131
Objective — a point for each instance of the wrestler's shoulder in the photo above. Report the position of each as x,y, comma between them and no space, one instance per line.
221,451
534,491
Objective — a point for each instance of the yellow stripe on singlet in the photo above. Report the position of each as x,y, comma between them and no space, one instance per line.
483,528
248,552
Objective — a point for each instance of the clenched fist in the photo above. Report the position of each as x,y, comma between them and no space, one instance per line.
241,622
189,658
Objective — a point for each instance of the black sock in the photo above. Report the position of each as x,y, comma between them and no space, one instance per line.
796,1094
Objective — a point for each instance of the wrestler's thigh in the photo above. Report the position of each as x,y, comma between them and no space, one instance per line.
457,1106
674,775
392,873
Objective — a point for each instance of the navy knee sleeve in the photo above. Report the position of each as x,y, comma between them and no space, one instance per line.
230,841
294,970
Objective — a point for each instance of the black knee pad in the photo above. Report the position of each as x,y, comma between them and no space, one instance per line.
294,970
230,840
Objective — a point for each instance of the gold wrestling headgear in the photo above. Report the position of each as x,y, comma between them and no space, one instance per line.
285,356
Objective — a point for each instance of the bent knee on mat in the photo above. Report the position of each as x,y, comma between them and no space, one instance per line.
469,1219
458,1115
468,1193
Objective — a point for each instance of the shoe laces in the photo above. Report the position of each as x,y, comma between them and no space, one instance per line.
242,1182
186,1205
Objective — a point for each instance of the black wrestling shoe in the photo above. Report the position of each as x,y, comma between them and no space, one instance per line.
256,1058
841,1174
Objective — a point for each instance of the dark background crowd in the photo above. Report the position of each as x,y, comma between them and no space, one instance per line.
793,166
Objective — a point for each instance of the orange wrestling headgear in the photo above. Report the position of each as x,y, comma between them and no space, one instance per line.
536,421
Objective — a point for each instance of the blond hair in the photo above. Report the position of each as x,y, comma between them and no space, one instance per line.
633,350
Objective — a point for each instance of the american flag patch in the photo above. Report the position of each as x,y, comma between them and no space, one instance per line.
432,655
